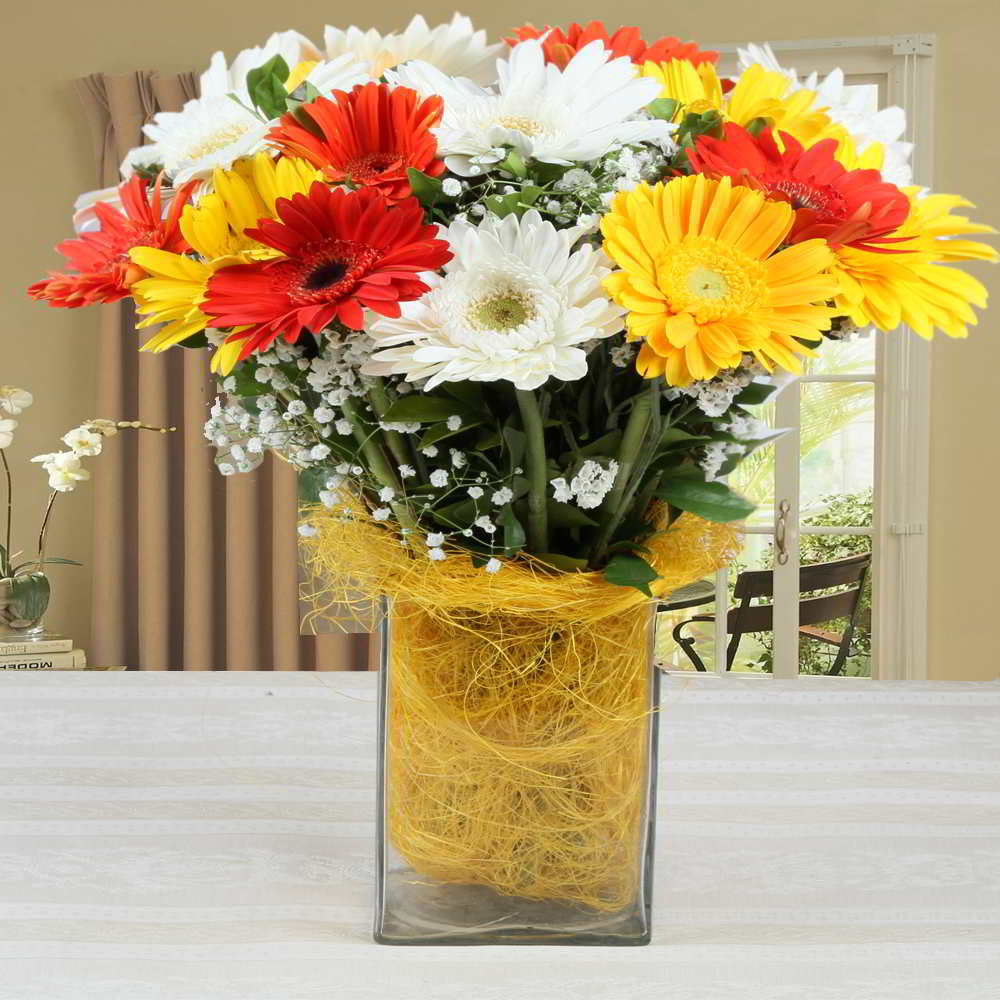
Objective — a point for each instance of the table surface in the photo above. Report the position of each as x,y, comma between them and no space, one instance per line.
210,837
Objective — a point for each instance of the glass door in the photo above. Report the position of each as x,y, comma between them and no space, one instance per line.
840,494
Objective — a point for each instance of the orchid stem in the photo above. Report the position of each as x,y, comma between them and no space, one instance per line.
5,562
44,531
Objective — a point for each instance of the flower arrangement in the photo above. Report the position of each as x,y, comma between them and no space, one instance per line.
515,296
506,307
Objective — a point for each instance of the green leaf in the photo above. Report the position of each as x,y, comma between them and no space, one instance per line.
754,394
438,432
460,514
426,189
514,535
469,393
517,443
49,559
246,384
304,93
663,108
266,86
311,481
196,340
565,563
514,164
631,571
418,408
564,515
688,490
515,203
606,445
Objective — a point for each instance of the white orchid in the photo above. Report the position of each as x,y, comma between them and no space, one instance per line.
84,440
64,468
557,116
13,400
515,303
7,427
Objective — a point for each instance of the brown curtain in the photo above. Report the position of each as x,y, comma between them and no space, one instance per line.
193,571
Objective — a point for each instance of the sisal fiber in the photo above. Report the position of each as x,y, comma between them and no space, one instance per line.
519,707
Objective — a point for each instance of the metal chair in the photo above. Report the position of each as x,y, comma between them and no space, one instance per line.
747,617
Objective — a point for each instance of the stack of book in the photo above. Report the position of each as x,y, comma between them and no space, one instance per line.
48,652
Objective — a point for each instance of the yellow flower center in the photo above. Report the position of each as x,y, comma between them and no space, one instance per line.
517,123
218,140
503,310
709,279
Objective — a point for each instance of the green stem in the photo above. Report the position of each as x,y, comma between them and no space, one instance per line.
380,403
537,472
628,455
5,562
371,448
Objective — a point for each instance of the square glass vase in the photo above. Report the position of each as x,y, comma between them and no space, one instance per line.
517,780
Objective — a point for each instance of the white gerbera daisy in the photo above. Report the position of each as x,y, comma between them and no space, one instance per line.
455,48
304,60
219,126
516,302
573,115
208,132
853,107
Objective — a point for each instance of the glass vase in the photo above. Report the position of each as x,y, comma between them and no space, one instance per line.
516,795
24,599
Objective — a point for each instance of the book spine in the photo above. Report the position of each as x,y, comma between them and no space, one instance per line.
8,650
73,660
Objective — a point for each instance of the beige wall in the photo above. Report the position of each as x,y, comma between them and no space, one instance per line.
48,159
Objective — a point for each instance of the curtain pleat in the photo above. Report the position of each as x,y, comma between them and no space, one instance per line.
192,571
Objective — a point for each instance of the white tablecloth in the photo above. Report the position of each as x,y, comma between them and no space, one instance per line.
210,837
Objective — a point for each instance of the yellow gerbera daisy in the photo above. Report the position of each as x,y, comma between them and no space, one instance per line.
917,287
703,283
216,230
758,93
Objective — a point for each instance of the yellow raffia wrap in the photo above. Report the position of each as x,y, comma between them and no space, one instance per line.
519,706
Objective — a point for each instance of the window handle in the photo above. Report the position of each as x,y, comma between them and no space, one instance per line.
780,530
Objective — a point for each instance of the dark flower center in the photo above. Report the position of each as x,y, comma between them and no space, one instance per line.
365,168
824,201
329,270
326,274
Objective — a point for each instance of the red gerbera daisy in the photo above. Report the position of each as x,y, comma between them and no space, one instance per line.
844,207
343,252
560,46
367,137
103,269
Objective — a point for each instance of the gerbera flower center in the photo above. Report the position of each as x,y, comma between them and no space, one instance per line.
216,140
709,279
519,123
365,168
330,270
824,201
502,310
